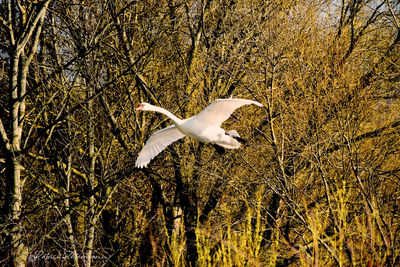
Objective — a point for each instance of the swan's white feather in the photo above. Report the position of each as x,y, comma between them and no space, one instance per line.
221,109
157,143
204,127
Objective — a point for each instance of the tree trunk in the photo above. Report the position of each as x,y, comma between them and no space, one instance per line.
23,45
19,251
68,220
91,216
15,184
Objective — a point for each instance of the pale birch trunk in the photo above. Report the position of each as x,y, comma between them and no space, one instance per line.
68,220
91,217
23,47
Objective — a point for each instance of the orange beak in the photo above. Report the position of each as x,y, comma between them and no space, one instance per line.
140,107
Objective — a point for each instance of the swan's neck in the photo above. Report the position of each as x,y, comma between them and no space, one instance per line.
174,118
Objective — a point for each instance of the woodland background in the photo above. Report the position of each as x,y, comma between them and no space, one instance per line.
318,182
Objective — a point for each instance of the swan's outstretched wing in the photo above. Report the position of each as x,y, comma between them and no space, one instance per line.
156,143
221,109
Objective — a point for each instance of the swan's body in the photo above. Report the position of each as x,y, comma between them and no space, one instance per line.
205,127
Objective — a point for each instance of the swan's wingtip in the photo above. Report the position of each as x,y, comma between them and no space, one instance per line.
257,103
141,165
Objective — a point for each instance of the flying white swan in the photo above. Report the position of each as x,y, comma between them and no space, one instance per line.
206,127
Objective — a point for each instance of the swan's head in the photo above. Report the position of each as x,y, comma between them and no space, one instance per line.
143,106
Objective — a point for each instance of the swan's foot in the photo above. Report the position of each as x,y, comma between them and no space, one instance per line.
220,150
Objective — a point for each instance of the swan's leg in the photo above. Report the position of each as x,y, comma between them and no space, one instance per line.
220,150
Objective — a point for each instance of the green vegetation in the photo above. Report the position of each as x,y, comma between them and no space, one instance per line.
316,184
